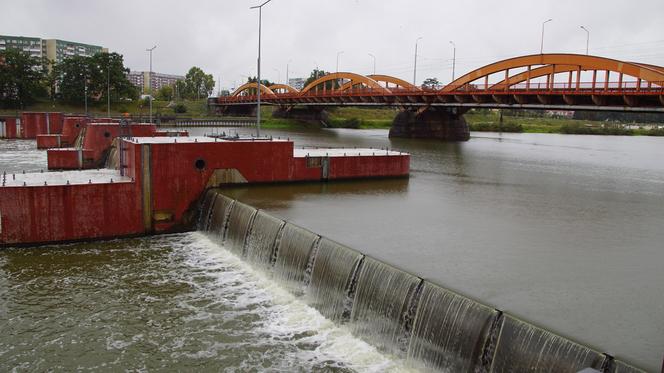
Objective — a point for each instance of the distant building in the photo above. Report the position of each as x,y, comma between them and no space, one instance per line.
141,79
297,83
55,50
33,46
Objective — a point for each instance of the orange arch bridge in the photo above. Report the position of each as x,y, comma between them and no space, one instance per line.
542,81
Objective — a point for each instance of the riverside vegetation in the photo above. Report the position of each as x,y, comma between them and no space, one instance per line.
363,118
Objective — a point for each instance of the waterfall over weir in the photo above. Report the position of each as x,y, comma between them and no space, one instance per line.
431,327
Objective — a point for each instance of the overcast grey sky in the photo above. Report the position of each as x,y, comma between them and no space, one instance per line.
221,36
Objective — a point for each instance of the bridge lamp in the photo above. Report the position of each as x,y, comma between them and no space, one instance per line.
453,58
338,54
587,38
542,39
258,79
374,62
287,65
415,64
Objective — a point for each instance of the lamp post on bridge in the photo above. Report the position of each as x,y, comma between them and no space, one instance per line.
338,54
453,58
415,64
258,79
587,38
542,39
374,63
287,65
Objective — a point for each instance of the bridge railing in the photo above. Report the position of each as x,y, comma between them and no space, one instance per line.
542,88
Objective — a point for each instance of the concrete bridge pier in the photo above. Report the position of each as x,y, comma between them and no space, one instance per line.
314,114
237,111
445,124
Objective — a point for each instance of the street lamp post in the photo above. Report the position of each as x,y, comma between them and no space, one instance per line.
258,80
374,63
338,54
415,64
150,80
108,88
453,58
287,65
587,38
85,93
542,39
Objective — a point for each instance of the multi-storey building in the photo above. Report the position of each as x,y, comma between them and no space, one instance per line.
55,50
142,80
33,46
297,83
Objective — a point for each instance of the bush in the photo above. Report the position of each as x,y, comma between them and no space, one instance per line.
496,127
578,129
180,108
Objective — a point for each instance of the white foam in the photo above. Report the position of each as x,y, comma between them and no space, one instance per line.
289,317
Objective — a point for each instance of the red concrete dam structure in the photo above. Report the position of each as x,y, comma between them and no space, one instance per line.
95,142
40,123
542,82
10,127
159,182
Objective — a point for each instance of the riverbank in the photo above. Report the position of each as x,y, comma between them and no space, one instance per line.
363,118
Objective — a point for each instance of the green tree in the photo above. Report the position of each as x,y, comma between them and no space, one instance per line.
22,78
432,83
73,78
180,89
198,83
315,74
265,82
108,71
165,93
95,75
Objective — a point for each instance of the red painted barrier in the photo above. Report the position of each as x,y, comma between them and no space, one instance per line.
48,141
9,127
70,159
34,123
37,214
163,179
71,128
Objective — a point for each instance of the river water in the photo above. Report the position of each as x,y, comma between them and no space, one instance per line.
562,231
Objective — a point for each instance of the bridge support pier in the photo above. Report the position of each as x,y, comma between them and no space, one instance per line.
445,124
311,114
237,111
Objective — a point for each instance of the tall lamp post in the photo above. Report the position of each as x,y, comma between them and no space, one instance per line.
453,58
415,64
338,54
287,66
108,87
587,38
149,50
258,80
374,63
542,39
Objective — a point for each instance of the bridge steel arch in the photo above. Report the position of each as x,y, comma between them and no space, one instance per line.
355,79
385,79
642,72
285,87
252,85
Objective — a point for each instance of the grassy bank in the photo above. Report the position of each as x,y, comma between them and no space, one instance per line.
361,118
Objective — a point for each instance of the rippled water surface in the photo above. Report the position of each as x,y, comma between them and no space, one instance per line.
175,302
563,231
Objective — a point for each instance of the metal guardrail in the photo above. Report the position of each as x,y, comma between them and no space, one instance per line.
210,123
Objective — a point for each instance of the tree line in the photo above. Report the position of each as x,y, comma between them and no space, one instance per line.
25,79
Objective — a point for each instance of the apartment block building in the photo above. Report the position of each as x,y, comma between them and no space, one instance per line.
55,50
142,80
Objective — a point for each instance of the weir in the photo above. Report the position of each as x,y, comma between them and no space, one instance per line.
431,327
